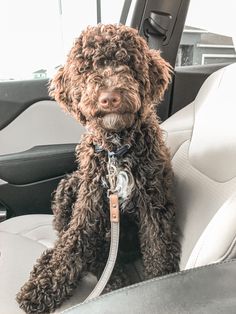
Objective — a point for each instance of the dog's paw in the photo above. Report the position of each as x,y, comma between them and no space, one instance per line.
34,299
116,282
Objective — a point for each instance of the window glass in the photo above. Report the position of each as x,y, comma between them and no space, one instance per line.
36,35
209,33
109,14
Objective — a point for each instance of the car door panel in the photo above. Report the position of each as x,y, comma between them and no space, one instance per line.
37,146
37,164
43,123
16,96
16,200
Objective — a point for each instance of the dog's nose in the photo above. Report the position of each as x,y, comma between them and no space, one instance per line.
109,99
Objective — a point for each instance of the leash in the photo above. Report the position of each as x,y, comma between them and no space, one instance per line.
115,234
114,218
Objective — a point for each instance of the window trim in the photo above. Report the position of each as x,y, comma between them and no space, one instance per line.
216,55
215,46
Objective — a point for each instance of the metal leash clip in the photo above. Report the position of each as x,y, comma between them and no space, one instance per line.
112,173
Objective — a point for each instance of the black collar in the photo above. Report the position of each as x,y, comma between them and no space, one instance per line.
118,153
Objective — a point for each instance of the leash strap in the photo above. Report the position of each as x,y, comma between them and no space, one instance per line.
115,233
114,217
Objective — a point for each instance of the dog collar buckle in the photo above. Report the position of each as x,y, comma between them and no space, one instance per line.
98,149
118,153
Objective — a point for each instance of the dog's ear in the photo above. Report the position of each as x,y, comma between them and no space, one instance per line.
64,88
159,75
59,89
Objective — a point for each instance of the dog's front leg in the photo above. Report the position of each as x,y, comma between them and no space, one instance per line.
55,274
63,201
159,245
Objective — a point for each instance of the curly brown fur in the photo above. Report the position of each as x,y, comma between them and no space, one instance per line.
109,59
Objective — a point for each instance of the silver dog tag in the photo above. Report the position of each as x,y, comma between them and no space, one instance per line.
122,185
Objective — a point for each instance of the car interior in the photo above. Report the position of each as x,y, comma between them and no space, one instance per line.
37,145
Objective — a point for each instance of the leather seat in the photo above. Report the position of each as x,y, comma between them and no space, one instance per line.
202,139
22,240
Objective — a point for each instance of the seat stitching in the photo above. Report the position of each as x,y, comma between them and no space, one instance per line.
230,249
181,144
25,237
178,131
35,228
227,253
196,169
29,230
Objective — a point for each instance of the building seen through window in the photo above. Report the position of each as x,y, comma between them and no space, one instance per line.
199,47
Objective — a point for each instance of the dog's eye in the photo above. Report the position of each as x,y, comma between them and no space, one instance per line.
93,82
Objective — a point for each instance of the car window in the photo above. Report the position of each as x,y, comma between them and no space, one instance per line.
37,35
209,32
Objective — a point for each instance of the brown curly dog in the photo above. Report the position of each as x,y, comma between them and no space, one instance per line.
109,84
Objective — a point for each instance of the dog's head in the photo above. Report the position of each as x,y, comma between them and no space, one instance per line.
110,75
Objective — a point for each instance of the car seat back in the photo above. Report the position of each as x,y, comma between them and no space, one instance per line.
202,140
